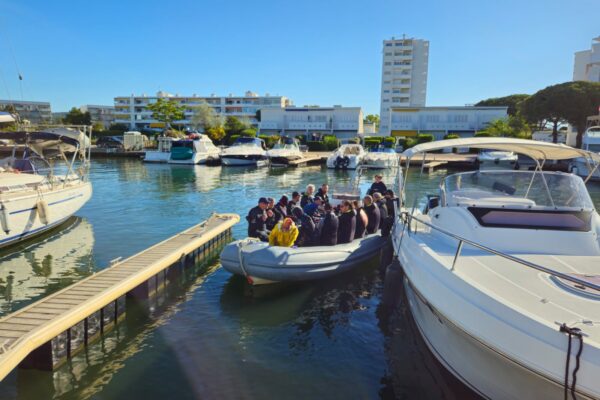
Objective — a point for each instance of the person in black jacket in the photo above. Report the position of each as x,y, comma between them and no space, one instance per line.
346,223
306,235
280,209
271,216
377,186
361,220
373,215
257,218
390,199
294,202
323,192
383,213
329,230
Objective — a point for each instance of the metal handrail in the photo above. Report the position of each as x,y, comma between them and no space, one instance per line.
518,260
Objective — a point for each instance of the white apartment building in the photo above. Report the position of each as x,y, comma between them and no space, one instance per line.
441,121
343,122
587,63
403,76
33,111
132,110
103,114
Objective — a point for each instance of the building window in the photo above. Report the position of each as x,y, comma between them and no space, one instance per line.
386,100
386,91
432,118
387,63
388,54
396,91
387,73
388,45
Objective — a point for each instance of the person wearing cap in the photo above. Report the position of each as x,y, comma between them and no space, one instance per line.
377,186
329,227
373,215
323,193
313,209
257,218
306,235
346,223
284,234
308,196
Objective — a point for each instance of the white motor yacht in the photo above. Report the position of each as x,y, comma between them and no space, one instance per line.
246,151
347,156
381,158
502,274
162,154
284,152
197,149
585,167
33,196
493,159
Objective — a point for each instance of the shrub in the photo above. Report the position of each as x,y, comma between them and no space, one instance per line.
330,142
483,134
425,138
232,139
389,142
316,146
354,140
250,132
452,136
270,140
371,143
377,139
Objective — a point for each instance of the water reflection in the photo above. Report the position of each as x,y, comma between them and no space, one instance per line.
39,267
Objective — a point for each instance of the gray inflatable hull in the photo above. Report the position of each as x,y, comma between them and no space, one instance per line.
268,264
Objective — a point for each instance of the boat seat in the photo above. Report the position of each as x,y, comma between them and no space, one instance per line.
481,198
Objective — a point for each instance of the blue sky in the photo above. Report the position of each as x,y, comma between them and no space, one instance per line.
315,52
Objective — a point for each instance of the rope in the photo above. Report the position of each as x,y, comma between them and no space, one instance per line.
577,333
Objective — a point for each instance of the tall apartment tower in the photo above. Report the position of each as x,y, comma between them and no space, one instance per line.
587,63
403,76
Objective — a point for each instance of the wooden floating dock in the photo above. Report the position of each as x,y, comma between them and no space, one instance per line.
44,334
433,164
310,158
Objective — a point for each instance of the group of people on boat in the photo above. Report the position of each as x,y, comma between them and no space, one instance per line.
309,219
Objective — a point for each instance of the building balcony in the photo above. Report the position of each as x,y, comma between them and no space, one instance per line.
307,125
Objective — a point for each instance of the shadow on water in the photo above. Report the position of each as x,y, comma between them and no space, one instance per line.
413,371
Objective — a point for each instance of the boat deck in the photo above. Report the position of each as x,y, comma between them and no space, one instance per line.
31,327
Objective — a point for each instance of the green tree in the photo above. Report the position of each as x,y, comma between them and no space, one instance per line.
166,111
234,126
372,119
205,117
76,117
216,133
513,126
512,101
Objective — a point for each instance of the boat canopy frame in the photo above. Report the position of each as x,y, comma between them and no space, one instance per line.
539,152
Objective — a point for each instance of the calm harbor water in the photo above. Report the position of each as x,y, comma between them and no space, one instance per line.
212,337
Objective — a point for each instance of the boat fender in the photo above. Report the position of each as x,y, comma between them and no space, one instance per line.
43,211
4,219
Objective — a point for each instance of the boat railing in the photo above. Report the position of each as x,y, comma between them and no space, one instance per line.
407,219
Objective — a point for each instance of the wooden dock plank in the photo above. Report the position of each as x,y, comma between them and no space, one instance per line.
53,315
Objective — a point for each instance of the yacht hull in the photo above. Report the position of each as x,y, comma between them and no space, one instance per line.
481,341
258,161
156,157
22,218
196,159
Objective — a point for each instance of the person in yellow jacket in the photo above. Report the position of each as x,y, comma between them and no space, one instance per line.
284,234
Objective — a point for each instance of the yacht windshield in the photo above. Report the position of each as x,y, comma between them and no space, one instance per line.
593,132
517,189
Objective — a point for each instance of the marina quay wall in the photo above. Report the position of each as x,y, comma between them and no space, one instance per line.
133,110
440,121
343,122
46,333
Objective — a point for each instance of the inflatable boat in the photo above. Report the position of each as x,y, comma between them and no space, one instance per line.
262,264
